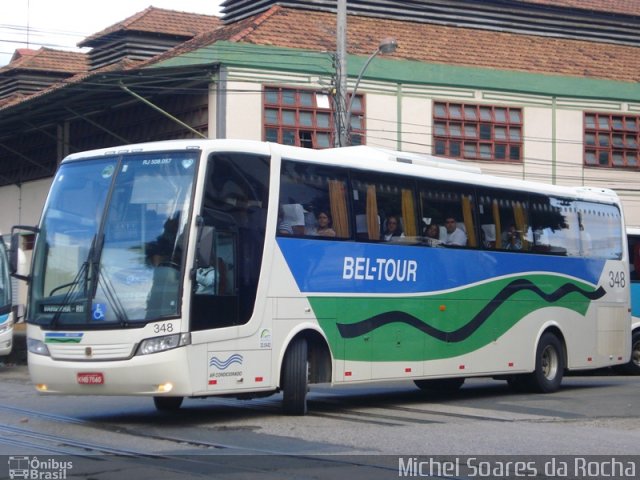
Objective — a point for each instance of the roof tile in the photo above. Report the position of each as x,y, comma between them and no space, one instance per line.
157,20
316,31
48,60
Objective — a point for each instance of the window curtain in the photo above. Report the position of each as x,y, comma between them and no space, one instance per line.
408,213
496,220
373,219
521,224
468,221
337,198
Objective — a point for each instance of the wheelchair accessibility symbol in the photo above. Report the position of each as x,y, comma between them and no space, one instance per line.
98,311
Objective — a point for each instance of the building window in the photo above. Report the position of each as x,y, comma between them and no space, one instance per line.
477,132
305,118
611,140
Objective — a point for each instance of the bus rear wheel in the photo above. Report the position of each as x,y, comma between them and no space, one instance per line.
168,404
547,376
295,378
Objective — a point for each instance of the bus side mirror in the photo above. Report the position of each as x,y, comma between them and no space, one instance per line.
16,256
204,252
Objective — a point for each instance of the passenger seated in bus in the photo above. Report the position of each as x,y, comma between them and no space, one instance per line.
454,235
432,234
206,280
310,221
393,229
324,228
284,227
488,235
293,214
512,239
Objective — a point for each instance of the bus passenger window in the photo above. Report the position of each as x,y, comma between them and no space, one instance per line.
504,220
385,208
452,208
305,191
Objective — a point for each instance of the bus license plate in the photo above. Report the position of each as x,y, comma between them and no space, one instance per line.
91,378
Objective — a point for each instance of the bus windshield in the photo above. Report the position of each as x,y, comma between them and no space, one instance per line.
111,241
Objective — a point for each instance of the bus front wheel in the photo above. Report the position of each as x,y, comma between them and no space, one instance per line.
547,376
167,404
295,378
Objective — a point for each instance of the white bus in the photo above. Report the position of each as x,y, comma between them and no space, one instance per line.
6,312
633,239
223,267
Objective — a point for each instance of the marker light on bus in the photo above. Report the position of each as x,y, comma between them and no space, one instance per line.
38,347
161,344
165,387
6,326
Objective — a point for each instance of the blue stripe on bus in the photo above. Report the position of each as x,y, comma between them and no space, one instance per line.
369,268
635,299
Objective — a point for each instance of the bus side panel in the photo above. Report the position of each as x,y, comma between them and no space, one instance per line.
463,312
6,333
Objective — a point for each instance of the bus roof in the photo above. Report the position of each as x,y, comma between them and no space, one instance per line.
365,158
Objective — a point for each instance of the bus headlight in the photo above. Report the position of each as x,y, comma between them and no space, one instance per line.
38,347
162,344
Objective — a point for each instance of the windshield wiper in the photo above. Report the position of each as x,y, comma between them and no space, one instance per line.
81,276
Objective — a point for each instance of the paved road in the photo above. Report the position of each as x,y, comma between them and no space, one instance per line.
353,426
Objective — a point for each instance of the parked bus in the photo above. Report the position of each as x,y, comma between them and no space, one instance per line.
633,238
6,312
198,268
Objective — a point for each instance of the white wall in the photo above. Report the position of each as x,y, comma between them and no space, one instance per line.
22,205
382,120
244,110
417,115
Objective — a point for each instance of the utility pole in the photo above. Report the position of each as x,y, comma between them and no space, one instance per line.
341,134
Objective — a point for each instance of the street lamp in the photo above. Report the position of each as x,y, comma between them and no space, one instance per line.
388,45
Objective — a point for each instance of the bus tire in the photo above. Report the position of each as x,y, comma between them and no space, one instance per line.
547,376
633,367
168,404
295,378
440,384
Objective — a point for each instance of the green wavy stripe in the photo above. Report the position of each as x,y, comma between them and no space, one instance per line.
447,312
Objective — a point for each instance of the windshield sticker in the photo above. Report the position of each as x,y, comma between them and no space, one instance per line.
63,337
157,161
63,308
107,171
98,311
187,162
